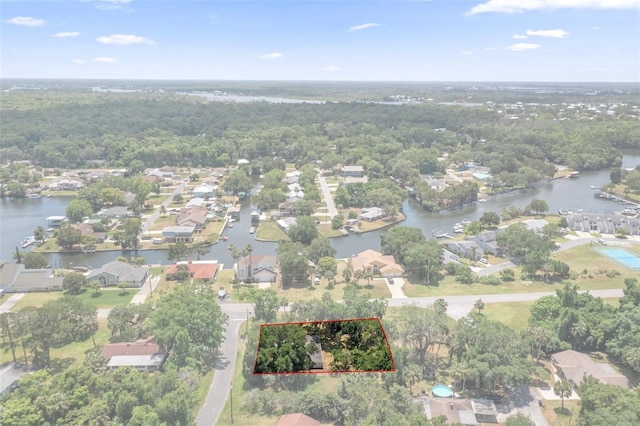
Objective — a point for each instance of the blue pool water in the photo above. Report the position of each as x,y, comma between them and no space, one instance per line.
442,391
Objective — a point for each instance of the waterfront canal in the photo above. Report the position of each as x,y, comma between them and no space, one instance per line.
18,219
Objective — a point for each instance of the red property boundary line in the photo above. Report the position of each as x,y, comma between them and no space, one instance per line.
384,333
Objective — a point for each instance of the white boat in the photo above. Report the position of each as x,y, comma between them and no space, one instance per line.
35,196
28,241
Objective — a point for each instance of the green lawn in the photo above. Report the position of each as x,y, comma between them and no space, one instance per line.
108,298
513,314
35,299
270,231
556,417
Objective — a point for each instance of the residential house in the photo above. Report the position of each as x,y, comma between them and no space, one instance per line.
176,234
293,174
87,230
487,242
288,208
143,355
256,267
154,179
66,184
575,366
371,214
15,278
295,195
437,184
195,202
376,262
286,223
353,171
115,212
204,270
466,249
297,419
195,217
9,377
204,190
116,272
164,172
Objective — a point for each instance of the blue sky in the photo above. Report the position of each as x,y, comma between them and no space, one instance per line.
465,40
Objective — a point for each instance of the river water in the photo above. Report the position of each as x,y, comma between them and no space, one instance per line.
18,219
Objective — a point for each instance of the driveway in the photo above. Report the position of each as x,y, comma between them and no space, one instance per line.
10,302
525,401
396,288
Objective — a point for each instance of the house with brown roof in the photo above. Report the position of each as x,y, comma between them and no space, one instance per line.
384,265
143,355
257,267
297,419
575,366
193,216
87,230
204,270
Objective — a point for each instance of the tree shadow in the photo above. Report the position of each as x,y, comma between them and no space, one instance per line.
123,293
96,295
57,365
562,411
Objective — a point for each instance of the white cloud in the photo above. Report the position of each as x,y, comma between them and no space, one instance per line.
26,21
113,5
105,60
78,61
548,33
521,47
124,39
519,6
597,28
519,36
331,68
466,52
272,55
364,26
66,34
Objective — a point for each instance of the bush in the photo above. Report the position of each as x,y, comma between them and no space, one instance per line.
507,275
490,280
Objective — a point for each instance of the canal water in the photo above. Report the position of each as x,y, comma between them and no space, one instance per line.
18,219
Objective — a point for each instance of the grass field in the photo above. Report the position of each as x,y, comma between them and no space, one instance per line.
270,231
556,417
513,314
108,298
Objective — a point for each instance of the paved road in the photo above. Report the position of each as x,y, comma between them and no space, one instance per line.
156,213
328,198
225,366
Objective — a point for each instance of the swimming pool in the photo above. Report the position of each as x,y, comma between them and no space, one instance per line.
443,391
623,257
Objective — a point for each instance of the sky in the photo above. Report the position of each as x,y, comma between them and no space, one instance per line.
392,40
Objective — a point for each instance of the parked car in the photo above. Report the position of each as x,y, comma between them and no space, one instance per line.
390,280
222,293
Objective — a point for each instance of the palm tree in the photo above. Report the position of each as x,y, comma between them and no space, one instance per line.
358,274
563,389
247,250
479,305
